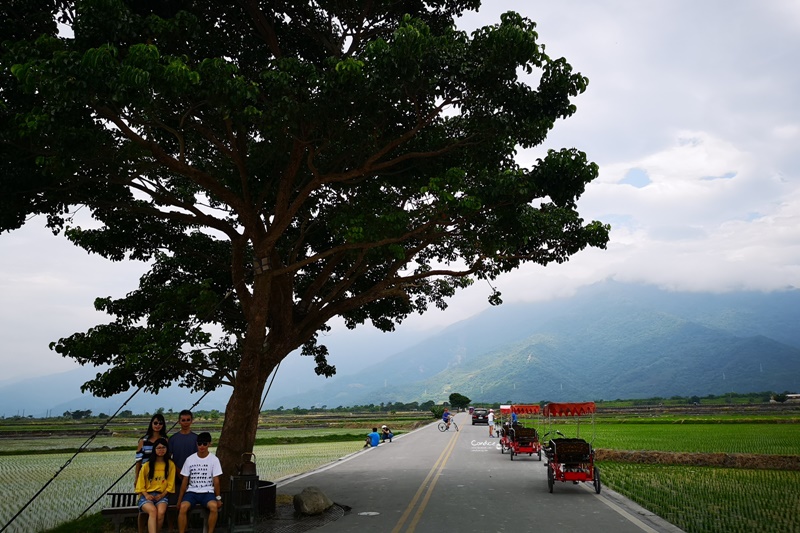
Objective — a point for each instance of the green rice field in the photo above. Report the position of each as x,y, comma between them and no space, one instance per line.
696,499
711,500
773,439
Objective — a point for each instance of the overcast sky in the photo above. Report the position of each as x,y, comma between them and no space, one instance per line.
691,113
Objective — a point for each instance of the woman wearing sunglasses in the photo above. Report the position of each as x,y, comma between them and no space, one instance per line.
155,430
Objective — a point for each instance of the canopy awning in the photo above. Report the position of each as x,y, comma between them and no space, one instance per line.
525,409
569,409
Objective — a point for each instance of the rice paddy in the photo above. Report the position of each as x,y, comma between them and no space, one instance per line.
698,499
771,439
711,500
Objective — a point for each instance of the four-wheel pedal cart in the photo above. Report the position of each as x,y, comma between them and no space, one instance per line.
518,434
569,459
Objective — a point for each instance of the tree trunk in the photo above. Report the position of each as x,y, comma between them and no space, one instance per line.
241,422
243,409
261,353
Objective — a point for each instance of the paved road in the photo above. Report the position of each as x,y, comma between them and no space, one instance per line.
427,481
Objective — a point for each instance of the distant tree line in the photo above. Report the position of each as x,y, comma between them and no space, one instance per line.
78,414
457,401
709,399
390,407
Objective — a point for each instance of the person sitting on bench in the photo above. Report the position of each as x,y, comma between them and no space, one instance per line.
200,485
156,480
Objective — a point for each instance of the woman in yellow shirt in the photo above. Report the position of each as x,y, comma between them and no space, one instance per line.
155,481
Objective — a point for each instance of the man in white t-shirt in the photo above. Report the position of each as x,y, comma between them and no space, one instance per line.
200,484
490,419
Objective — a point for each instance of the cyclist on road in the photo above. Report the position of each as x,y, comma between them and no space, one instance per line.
446,417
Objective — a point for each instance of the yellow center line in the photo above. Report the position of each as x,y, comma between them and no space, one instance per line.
437,468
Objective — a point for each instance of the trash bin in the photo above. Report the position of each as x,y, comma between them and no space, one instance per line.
267,497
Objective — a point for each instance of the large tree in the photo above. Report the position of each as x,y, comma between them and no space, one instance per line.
279,164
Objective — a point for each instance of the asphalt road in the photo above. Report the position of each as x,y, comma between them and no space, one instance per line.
429,481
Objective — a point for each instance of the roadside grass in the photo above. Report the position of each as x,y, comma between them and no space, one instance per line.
709,499
95,523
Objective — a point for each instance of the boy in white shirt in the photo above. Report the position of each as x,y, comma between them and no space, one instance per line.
200,484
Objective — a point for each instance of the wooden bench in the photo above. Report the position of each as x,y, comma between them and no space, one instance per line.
123,505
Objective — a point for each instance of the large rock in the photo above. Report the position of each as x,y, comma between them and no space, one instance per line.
311,501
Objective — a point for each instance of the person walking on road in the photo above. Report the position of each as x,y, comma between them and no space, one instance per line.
490,419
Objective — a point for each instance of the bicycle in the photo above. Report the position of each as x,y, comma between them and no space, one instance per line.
443,425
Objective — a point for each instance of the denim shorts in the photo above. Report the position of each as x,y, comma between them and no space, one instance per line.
199,498
142,501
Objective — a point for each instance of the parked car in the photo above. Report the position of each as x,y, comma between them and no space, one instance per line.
480,416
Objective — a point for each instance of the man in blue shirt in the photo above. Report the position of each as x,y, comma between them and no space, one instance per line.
446,417
373,438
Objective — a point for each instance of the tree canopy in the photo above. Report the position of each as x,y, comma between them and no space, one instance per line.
278,165
458,400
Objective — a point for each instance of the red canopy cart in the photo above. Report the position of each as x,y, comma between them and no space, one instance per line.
570,459
518,437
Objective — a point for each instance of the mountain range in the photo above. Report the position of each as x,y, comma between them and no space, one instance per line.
610,340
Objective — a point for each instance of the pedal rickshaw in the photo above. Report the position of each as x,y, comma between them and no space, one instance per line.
570,459
519,437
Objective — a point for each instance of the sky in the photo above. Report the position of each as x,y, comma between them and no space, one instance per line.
691,114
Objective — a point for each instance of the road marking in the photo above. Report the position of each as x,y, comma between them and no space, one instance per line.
623,512
437,468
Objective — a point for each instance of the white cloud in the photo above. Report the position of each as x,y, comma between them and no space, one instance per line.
701,96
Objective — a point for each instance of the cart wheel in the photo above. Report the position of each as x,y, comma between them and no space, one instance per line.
540,455
597,480
550,479
511,451
502,447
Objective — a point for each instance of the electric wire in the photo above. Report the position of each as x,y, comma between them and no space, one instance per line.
266,392
91,438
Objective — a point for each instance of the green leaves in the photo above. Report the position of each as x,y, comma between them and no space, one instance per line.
101,58
361,154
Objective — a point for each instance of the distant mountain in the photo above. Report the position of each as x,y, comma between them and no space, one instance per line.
54,394
60,392
611,340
